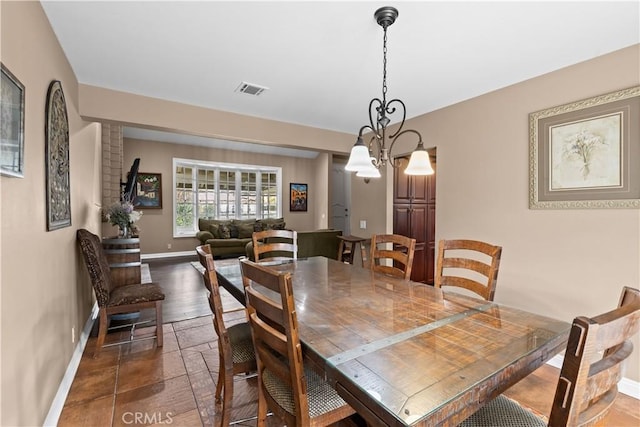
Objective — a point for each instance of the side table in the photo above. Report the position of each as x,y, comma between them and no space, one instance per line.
123,256
348,246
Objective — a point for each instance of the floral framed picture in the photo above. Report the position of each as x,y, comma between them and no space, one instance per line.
586,154
11,124
148,194
298,197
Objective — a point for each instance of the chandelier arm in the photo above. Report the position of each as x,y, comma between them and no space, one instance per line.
393,110
392,161
375,137
378,109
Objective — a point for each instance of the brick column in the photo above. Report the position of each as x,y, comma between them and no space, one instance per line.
112,153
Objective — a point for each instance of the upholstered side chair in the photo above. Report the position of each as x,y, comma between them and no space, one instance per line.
116,299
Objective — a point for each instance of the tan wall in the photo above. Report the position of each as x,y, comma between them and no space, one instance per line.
560,263
44,284
157,157
126,108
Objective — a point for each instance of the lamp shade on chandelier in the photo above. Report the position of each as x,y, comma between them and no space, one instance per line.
362,159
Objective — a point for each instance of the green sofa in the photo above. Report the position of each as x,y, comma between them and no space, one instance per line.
312,243
228,238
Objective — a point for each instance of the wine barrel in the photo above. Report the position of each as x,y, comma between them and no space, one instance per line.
123,256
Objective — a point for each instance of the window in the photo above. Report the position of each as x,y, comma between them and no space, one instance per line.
223,191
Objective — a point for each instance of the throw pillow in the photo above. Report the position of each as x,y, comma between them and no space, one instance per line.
273,224
245,231
233,231
278,226
225,231
215,230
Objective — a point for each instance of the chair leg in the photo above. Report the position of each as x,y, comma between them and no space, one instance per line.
220,382
227,398
159,335
102,331
262,407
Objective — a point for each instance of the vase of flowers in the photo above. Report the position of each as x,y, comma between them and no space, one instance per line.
122,215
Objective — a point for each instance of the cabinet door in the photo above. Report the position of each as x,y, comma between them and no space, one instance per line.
420,269
402,220
402,191
413,189
410,220
430,244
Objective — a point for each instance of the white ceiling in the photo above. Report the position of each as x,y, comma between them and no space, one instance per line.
322,61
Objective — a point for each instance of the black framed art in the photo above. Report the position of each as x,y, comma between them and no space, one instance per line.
148,194
298,197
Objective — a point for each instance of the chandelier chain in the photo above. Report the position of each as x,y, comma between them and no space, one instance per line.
384,68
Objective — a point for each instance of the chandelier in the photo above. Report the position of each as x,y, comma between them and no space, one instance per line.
362,159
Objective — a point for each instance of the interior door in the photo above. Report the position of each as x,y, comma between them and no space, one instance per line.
340,199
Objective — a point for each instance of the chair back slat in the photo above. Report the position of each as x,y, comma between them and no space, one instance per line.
397,261
468,264
270,245
588,378
269,310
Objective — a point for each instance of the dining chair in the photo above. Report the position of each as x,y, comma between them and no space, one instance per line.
113,299
293,391
235,346
468,264
592,367
400,257
274,245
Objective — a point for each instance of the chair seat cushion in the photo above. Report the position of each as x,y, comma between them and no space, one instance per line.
241,343
503,411
321,396
133,294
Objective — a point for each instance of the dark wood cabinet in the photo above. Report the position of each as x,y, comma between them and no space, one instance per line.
414,215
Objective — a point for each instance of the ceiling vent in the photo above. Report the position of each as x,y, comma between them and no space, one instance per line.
251,89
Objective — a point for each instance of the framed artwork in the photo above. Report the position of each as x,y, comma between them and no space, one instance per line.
11,124
148,194
298,197
586,154
57,159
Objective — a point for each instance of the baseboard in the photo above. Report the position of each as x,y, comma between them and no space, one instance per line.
65,385
168,255
625,386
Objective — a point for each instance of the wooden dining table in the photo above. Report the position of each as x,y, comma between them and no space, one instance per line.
403,353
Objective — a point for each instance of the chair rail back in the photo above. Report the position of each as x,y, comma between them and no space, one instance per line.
275,337
484,276
269,245
592,365
401,255
210,280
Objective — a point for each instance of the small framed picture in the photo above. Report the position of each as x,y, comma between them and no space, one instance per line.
148,194
298,197
11,125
